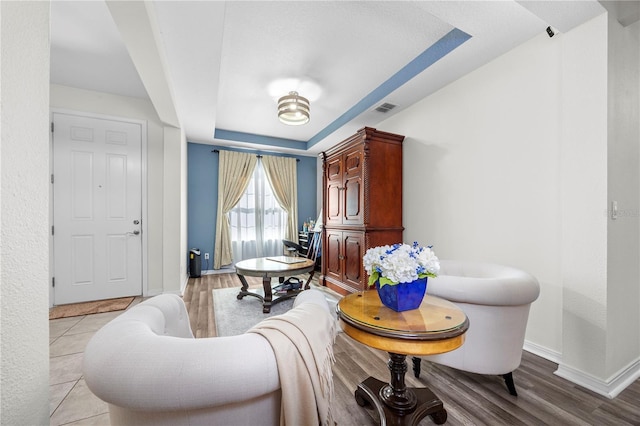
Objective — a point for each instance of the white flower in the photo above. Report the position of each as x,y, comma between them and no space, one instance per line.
400,263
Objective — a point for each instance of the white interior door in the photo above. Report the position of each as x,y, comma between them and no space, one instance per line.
97,209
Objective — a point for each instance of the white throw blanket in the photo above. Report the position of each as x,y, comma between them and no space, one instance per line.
302,340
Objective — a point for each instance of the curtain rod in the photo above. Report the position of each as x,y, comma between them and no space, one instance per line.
257,155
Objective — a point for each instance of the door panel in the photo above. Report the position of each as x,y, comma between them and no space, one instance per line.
353,163
352,197
333,254
97,196
352,187
82,257
333,202
116,258
334,169
333,214
353,248
116,187
82,182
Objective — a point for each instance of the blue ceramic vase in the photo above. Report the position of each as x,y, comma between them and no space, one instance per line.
403,296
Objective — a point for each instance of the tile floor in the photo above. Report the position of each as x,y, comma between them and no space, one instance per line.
70,400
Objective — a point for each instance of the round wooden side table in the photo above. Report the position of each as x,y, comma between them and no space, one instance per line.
437,326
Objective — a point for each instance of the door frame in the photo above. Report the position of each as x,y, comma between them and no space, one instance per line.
143,170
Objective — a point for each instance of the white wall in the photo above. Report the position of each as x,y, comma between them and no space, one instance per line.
141,109
184,228
584,197
509,165
24,213
482,172
623,290
174,205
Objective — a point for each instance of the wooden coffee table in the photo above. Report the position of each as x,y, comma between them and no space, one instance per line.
437,326
267,268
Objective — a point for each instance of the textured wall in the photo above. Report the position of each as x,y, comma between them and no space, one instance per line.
508,165
24,213
517,162
583,179
623,290
481,172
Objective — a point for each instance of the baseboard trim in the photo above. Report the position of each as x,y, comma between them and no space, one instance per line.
183,286
610,387
225,270
154,292
543,352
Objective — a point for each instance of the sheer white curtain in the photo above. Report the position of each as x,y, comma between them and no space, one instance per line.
257,222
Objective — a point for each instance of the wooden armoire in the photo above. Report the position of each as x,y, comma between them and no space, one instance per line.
361,204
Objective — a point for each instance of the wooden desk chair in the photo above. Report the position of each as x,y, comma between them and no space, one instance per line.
293,249
313,253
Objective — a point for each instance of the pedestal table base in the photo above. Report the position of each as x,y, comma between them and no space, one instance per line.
397,404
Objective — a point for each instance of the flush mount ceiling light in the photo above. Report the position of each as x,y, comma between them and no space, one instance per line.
293,109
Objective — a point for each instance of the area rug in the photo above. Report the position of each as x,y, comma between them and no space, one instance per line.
233,316
87,308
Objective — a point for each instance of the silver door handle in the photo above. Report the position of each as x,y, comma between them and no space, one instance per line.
136,232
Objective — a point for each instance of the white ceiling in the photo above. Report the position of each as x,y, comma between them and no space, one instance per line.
217,68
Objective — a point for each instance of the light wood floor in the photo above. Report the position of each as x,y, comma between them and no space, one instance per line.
470,399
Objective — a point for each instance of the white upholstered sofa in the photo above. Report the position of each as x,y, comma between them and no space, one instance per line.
496,299
148,367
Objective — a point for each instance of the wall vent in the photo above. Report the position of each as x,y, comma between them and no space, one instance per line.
385,107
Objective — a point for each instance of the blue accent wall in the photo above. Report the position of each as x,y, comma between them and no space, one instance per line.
202,195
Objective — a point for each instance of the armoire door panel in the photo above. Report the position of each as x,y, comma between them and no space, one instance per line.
352,201
333,169
333,215
353,248
353,163
333,255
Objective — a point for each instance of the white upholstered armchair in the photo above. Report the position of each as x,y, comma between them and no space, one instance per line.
496,299
148,367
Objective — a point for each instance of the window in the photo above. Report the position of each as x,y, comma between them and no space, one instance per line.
257,222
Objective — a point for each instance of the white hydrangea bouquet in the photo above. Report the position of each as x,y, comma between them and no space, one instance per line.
400,263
